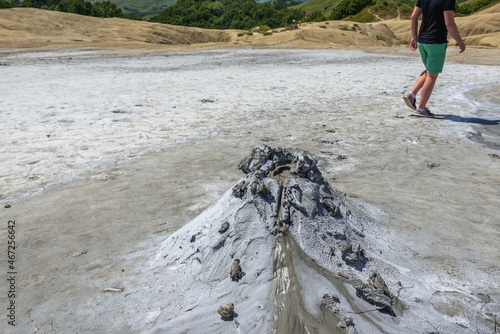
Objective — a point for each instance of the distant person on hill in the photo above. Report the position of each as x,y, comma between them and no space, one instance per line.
438,18
307,17
294,25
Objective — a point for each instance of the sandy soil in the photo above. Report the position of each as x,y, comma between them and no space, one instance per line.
95,180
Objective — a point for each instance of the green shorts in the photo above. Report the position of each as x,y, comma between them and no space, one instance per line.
433,56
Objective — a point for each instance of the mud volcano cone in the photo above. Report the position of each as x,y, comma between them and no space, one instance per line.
281,207
312,260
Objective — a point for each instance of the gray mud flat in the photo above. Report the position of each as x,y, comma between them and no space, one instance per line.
104,158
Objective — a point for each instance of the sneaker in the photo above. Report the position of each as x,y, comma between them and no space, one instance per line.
410,101
426,112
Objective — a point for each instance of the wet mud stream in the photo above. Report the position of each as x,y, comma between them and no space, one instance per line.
290,313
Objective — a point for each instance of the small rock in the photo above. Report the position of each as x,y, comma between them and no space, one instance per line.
329,206
332,251
224,227
236,272
353,253
432,165
336,211
193,238
240,189
375,292
226,311
329,300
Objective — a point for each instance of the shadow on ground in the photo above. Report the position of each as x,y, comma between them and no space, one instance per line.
475,120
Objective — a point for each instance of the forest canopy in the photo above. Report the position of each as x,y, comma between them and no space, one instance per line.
104,8
227,14
242,14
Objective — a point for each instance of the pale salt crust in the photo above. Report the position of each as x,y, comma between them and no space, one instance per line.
64,118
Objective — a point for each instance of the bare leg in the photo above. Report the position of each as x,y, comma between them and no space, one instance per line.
428,86
419,83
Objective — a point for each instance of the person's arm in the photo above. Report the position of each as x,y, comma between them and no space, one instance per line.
449,20
414,27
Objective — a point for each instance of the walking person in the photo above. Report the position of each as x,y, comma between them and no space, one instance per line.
438,19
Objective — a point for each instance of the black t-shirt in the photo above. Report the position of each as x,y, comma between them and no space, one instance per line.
433,29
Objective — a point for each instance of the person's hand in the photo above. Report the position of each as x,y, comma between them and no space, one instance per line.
413,45
461,45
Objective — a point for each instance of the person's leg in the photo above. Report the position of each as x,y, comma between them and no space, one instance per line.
411,98
433,56
427,87
419,83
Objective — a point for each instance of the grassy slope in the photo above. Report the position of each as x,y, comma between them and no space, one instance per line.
325,6
385,11
470,2
143,7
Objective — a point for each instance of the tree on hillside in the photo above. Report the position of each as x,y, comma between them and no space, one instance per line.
33,3
133,16
105,9
226,14
317,16
347,8
6,4
285,3
83,7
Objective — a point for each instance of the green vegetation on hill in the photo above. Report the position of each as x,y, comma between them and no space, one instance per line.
285,3
472,6
103,8
384,10
227,14
362,17
82,7
387,10
5,4
144,7
347,8
323,6
242,14
369,11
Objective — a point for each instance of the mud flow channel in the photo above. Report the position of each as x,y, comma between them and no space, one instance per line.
290,315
